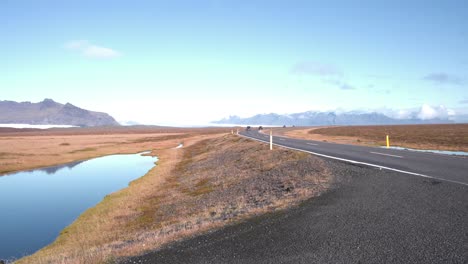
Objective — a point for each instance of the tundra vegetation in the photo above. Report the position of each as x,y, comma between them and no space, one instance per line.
452,137
22,149
216,179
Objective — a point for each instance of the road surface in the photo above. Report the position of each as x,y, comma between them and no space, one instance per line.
444,167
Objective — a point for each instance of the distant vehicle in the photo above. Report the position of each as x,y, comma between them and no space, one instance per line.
248,128
260,128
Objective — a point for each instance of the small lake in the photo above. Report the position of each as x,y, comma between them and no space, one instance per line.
36,205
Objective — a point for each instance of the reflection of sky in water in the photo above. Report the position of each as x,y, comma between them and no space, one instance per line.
35,205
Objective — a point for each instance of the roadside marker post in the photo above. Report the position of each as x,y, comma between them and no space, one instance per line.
232,132
388,142
271,139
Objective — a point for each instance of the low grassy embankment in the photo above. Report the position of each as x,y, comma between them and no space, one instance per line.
207,184
439,137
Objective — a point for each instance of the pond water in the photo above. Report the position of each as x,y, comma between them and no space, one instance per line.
36,205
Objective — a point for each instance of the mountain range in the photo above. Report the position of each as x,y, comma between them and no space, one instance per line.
312,118
49,112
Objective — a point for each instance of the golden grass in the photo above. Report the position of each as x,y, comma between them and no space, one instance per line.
22,149
439,137
36,151
213,181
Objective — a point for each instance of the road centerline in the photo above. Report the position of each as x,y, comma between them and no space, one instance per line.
363,163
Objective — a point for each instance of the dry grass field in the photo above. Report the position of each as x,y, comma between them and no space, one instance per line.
439,137
22,149
214,180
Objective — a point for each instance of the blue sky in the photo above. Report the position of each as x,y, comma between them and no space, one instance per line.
191,62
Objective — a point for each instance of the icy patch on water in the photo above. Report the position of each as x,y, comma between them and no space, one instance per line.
445,152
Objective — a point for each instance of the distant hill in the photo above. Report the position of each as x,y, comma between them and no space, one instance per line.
49,112
311,118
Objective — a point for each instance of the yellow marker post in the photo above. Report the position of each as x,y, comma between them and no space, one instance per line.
388,142
271,139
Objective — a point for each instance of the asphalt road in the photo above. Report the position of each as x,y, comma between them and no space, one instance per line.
370,215
439,166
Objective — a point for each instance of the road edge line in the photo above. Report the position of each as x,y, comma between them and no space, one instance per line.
360,162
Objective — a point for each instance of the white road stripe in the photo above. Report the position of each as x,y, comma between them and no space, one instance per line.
312,144
363,163
384,154
282,139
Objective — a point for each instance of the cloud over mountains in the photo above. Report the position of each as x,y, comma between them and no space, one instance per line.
426,114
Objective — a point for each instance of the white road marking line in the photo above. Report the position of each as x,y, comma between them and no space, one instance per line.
282,139
384,154
364,163
312,144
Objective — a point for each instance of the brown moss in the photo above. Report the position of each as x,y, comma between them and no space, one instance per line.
82,150
439,136
443,136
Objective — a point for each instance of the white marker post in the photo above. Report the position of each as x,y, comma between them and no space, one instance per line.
271,139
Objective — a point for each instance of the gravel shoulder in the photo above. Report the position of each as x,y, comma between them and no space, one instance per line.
368,216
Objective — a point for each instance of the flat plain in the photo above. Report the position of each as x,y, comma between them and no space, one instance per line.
22,149
215,179
452,137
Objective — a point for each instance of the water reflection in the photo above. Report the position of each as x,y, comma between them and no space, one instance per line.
36,205
52,170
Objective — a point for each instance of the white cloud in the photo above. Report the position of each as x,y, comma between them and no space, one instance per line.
404,114
76,44
431,112
425,112
89,50
327,72
340,84
100,52
443,78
